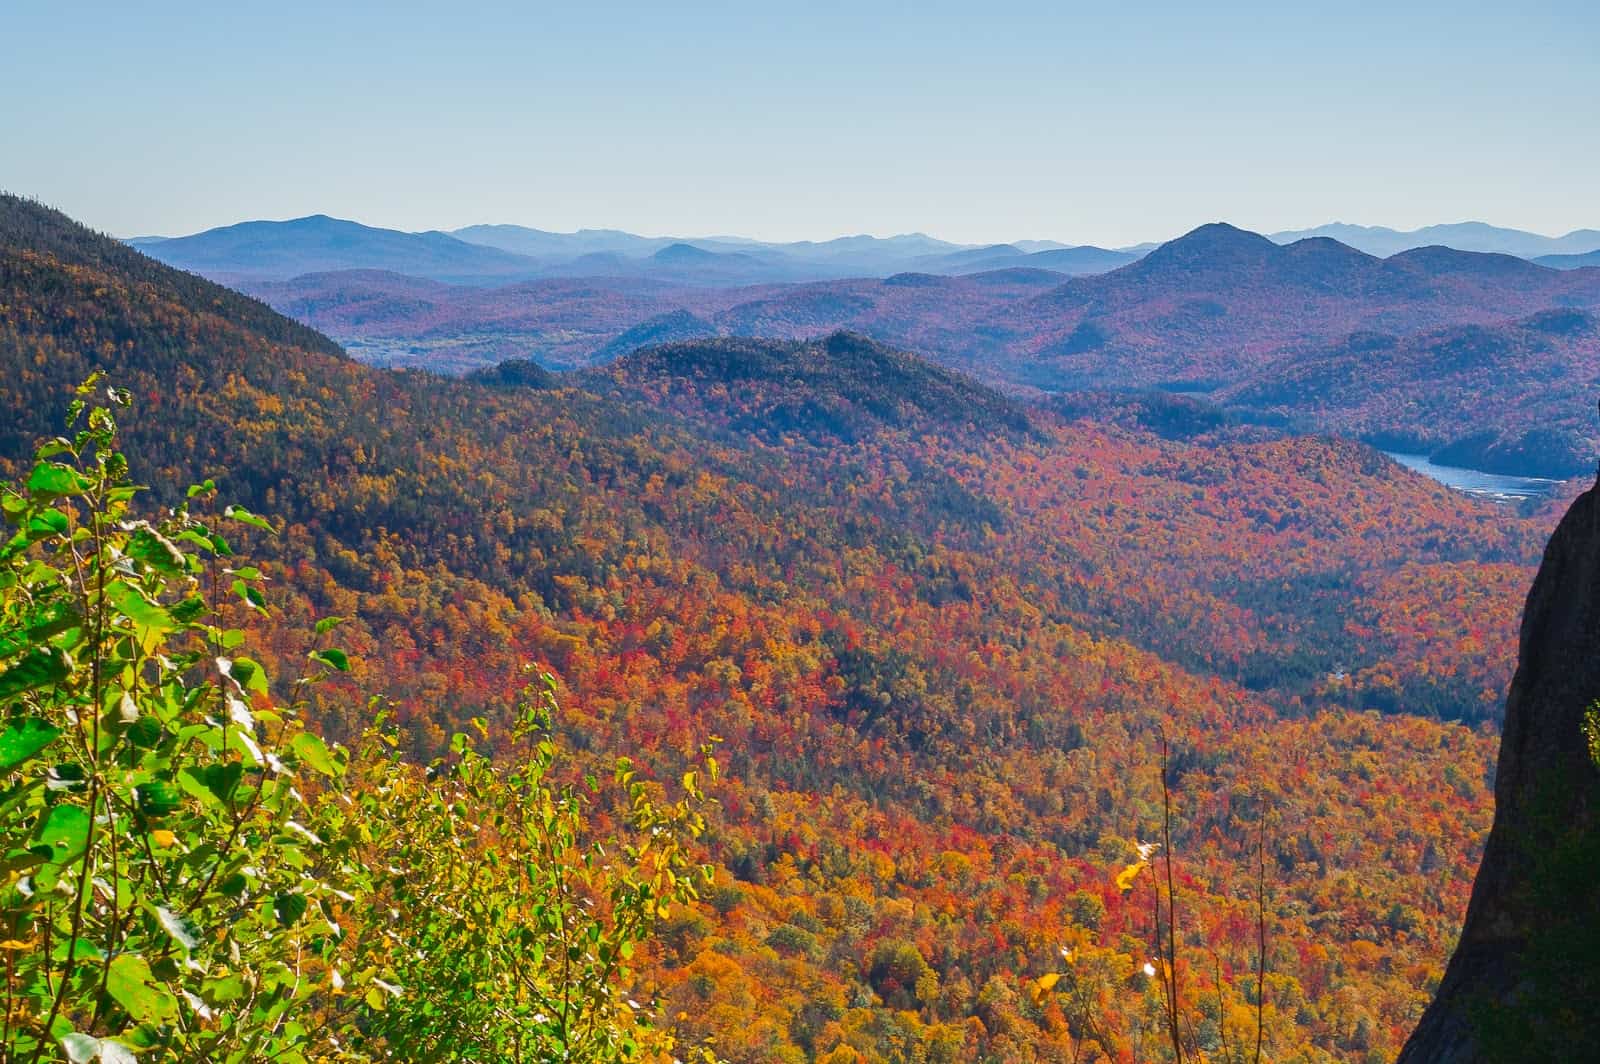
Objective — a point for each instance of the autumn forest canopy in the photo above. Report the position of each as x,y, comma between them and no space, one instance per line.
924,668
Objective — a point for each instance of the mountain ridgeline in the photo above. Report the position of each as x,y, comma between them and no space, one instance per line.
490,254
284,249
1484,373
840,386
946,631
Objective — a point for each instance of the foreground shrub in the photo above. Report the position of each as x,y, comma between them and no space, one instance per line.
504,930
165,888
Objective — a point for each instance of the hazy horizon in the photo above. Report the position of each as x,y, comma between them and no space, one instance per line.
1030,121
928,232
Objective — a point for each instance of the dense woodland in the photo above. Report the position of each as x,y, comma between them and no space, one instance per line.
941,634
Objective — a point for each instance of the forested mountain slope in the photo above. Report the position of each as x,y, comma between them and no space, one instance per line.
941,633
1511,397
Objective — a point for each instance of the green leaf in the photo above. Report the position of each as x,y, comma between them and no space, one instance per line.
333,658
38,527
247,672
24,740
250,594
212,784
45,622
224,990
289,908
39,669
65,832
51,522
243,516
131,984
52,480
132,604
191,781
80,950
65,777
189,609
314,752
222,780
146,733
328,624
156,798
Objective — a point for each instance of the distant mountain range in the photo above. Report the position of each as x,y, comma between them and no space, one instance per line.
320,244
1570,262
504,254
1462,236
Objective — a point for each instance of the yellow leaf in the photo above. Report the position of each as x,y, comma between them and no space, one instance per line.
164,838
1043,985
1126,877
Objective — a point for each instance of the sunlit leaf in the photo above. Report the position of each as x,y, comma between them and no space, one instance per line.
131,984
240,514
132,604
314,752
52,480
24,740
66,832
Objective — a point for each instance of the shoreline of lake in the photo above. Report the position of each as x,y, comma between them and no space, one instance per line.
1501,487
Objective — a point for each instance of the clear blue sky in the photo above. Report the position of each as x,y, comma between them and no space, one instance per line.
1105,122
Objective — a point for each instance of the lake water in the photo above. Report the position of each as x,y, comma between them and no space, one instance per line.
1474,482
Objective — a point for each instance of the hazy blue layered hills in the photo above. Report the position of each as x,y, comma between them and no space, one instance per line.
499,254
1463,236
260,251
1569,262
319,244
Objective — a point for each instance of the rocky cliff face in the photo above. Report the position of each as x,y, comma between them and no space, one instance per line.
1524,983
